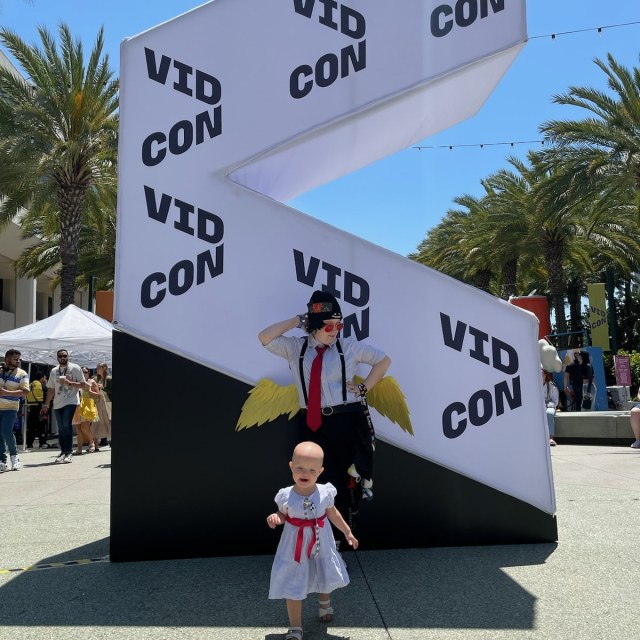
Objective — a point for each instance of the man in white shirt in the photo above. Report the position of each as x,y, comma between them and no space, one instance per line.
65,382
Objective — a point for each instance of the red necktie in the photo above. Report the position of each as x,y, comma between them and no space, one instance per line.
314,416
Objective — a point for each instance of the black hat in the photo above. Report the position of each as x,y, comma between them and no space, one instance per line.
322,306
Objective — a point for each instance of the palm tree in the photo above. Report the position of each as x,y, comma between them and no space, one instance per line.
96,247
510,207
452,246
58,140
538,226
602,150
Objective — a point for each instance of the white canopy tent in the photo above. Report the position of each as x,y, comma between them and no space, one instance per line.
85,335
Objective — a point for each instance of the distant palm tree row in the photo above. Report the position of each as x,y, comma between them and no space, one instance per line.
58,157
564,217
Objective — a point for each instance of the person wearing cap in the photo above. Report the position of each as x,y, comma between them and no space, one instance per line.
324,367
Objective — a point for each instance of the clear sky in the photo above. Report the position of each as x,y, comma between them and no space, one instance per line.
394,202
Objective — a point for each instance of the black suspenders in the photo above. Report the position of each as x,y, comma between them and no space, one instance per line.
305,344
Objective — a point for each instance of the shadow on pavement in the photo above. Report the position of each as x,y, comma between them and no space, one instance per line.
454,587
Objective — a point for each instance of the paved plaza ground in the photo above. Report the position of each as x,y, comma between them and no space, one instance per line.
585,587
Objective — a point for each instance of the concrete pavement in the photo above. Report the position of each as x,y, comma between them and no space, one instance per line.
584,588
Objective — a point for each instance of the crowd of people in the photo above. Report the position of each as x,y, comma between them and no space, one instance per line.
69,392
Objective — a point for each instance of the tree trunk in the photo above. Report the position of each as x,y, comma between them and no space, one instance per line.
509,275
575,312
483,279
71,203
554,258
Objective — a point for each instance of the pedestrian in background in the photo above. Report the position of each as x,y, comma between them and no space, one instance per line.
65,382
36,426
102,430
14,385
551,401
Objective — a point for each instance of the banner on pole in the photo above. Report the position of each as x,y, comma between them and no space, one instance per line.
598,316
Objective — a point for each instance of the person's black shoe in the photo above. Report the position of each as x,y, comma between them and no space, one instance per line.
103,442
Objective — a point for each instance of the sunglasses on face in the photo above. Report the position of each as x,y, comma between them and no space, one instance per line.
337,326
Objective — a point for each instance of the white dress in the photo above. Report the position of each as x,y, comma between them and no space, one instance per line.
325,570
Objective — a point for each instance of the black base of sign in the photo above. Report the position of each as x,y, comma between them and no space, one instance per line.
185,484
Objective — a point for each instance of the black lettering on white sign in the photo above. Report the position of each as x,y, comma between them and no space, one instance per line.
483,404
184,134
330,66
354,289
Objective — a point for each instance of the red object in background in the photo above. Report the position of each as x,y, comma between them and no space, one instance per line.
538,305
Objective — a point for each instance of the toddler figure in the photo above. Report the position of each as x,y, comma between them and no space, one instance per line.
306,559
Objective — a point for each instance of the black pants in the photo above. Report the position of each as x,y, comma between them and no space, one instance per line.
345,440
36,428
577,396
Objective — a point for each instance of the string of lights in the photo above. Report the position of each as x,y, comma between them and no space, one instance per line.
481,145
515,143
553,36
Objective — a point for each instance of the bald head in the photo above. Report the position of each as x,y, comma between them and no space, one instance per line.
308,450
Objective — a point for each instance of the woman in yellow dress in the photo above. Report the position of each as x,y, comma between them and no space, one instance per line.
87,413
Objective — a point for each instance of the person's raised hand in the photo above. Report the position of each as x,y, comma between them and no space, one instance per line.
274,520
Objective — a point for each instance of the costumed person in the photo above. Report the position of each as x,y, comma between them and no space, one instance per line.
333,416
307,560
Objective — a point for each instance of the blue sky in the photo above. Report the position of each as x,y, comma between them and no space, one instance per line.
394,202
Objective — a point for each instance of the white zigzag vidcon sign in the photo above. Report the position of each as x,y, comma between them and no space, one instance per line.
239,105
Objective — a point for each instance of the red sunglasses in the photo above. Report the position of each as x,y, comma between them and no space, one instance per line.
334,325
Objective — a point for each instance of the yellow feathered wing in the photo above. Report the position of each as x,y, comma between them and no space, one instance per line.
388,400
267,401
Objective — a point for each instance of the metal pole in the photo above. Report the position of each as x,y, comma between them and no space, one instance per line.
613,316
92,284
